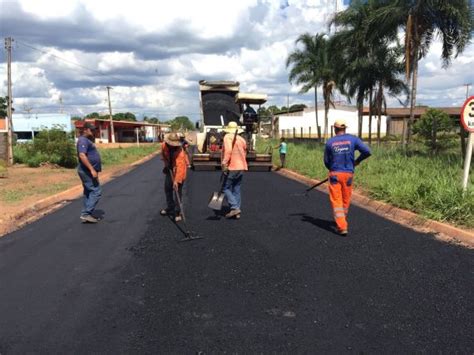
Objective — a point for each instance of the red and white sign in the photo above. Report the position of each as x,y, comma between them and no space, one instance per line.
467,115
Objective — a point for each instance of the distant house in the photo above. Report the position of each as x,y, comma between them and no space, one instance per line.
396,116
26,126
124,131
304,122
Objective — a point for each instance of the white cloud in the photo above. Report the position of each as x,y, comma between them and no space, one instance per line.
50,8
154,53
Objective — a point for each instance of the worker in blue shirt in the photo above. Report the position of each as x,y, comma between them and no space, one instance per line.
283,150
339,159
88,169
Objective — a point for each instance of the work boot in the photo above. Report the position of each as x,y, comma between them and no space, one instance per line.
178,217
233,213
343,232
89,219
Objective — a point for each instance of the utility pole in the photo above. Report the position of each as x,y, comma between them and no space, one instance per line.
288,103
112,133
8,47
467,85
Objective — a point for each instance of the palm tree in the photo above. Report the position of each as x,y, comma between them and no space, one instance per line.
422,20
355,58
311,67
388,74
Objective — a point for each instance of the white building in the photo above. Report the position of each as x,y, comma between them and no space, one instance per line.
305,121
26,126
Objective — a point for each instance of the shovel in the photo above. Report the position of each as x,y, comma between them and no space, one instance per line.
217,197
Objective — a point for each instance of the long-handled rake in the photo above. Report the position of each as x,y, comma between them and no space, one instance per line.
188,235
305,193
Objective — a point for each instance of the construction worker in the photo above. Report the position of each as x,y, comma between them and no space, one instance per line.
185,145
175,161
339,159
234,163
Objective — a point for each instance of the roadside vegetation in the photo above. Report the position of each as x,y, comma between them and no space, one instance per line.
368,61
427,184
51,146
47,166
115,156
54,147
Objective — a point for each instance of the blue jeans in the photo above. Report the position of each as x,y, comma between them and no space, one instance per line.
232,188
92,191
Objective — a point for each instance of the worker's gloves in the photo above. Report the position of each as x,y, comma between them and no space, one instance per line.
225,169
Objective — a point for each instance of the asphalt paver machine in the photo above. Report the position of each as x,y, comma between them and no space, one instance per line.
221,103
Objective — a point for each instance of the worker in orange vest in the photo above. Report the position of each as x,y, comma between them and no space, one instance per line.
339,159
234,163
176,162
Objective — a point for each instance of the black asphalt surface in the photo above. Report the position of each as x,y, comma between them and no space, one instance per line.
277,281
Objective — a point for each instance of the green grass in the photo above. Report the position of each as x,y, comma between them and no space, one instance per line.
116,156
11,196
113,156
427,185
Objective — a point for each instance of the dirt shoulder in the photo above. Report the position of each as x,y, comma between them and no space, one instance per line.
29,193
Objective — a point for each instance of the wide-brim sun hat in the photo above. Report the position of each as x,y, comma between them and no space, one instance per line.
340,123
172,139
232,127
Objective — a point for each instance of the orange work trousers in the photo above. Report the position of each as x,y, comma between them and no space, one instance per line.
340,192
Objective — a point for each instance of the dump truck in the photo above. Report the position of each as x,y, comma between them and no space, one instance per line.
221,102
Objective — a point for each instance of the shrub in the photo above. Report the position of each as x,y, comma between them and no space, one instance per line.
53,146
435,127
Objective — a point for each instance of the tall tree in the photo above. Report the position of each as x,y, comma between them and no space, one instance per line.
181,123
388,73
369,64
311,67
127,116
354,56
151,120
422,21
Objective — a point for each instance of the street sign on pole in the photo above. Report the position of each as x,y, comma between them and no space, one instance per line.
467,121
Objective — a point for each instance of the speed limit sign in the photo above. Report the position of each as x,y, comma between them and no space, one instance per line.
467,115
467,120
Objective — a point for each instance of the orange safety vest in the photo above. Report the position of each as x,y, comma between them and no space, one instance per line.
179,163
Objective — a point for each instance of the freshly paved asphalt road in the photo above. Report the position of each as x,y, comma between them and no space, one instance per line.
278,280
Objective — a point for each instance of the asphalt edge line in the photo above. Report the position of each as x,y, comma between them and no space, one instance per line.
442,231
51,203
